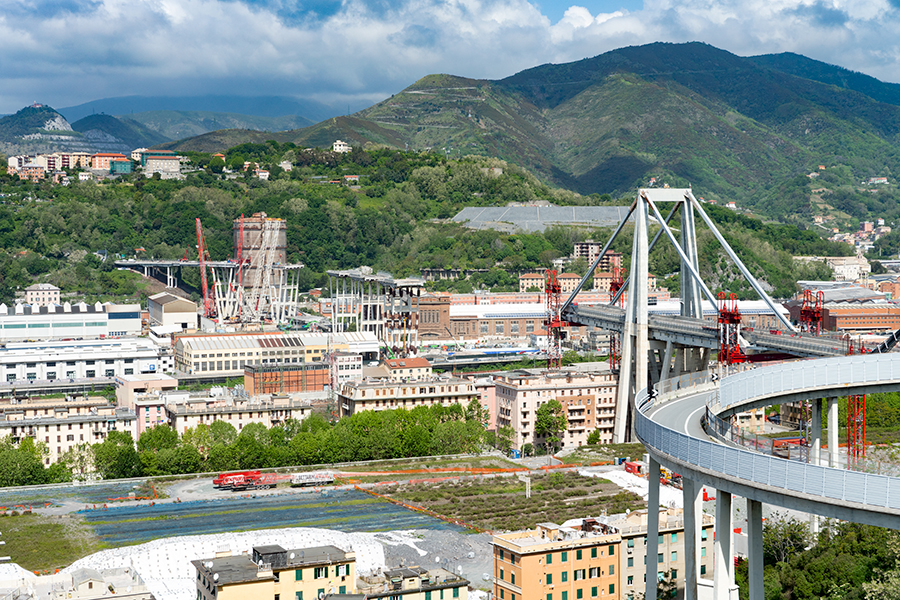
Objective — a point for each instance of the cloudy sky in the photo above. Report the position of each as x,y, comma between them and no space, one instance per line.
65,52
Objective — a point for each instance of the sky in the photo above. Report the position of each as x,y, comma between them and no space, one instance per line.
66,52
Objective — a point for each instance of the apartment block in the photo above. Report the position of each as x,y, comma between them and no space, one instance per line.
61,424
666,555
357,396
413,583
273,572
558,562
586,392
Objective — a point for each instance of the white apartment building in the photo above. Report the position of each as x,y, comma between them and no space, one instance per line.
357,396
347,367
164,165
80,360
183,410
227,354
42,294
63,425
586,392
68,321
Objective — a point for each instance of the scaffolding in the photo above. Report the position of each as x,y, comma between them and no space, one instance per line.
377,303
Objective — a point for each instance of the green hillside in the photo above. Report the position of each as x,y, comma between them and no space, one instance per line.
180,124
126,132
684,114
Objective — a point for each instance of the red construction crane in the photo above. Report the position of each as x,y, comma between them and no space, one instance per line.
554,322
209,305
240,254
729,327
811,312
615,351
856,422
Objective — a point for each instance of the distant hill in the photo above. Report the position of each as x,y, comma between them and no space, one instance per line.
39,128
685,114
801,66
260,106
179,124
116,134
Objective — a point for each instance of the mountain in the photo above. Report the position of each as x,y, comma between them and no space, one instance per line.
261,106
179,124
807,68
39,128
113,134
685,114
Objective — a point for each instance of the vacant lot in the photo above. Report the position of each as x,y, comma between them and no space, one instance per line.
500,504
44,543
586,455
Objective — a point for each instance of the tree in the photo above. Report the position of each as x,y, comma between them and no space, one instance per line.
783,538
157,438
593,437
116,457
222,432
550,423
217,164
504,438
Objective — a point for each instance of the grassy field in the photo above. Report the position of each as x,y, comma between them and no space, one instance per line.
586,455
477,462
500,504
42,543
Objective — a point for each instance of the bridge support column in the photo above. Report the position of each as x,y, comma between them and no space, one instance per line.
693,525
815,449
723,578
652,529
755,540
170,278
833,448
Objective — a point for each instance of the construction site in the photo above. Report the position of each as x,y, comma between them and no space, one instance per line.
256,285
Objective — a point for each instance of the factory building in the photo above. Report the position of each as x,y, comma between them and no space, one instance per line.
68,321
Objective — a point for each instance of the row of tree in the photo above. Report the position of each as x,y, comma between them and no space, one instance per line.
369,435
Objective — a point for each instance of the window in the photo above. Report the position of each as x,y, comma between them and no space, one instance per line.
549,596
612,550
565,576
578,555
428,595
593,553
674,574
502,594
298,575
659,539
549,559
512,578
90,373
612,588
593,592
501,576
631,543
703,552
320,572
594,572
674,537
565,556
110,373
674,557
703,569
579,574
549,578
630,580
703,534
501,555
630,562
321,593
456,593
659,558
578,595
660,575
565,596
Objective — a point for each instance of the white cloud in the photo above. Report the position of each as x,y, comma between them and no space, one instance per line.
78,50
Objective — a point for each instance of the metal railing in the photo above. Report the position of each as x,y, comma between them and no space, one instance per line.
754,469
733,434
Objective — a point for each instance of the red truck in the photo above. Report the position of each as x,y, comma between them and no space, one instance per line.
258,481
227,480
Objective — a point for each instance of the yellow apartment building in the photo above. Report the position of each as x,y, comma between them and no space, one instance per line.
275,573
553,562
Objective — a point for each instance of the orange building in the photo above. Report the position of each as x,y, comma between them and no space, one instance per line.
558,563
100,161
861,316
286,378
